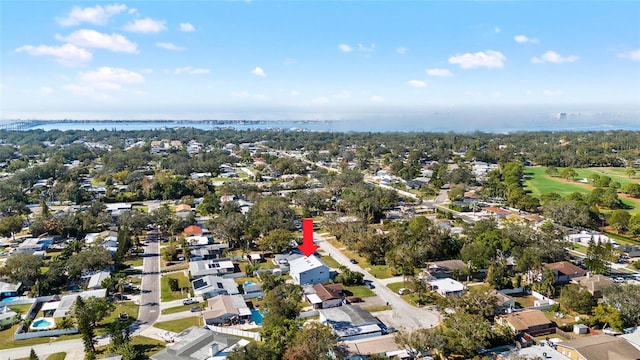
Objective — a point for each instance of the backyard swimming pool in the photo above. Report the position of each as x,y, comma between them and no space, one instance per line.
42,324
256,316
10,299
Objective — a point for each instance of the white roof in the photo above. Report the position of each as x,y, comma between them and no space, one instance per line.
314,298
304,264
50,305
447,285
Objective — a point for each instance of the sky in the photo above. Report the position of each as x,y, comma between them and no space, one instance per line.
326,60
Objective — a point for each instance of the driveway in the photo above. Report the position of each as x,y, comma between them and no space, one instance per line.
404,315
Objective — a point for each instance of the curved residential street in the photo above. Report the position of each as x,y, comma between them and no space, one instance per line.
406,315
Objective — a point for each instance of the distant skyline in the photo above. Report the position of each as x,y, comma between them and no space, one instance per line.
314,60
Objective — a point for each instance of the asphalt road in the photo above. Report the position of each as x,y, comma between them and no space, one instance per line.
150,288
405,315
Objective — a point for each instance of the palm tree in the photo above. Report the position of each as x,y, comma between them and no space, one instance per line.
119,285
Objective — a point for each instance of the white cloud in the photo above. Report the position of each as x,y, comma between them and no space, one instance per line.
146,71
191,71
631,55
366,49
402,50
344,94
67,54
376,98
496,29
96,84
169,46
548,92
555,58
321,100
98,15
290,61
294,93
489,59
110,78
496,94
528,92
93,39
345,48
239,94
417,83
522,39
187,27
439,72
258,71
133,11
46,90
260,97
146,26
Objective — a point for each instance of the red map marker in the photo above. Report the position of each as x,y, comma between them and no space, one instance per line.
307,246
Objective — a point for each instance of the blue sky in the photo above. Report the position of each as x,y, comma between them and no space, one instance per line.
313,59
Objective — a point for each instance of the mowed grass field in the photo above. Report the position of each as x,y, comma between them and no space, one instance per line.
539,183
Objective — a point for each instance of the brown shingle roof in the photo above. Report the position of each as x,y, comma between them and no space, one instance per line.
523,320
565,268
593,283
328,291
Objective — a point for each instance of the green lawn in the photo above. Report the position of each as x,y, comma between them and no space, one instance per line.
396,286
330,262
616,174
136,261
378,271
181,308
146,346
128,307
540,183
165,291
359,291
180,324
20,309
57,356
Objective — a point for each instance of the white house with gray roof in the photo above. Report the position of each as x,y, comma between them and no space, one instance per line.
308,270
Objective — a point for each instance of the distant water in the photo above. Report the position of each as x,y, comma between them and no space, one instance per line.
438,122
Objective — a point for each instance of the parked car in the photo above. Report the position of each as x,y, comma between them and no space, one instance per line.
195,308
353,261
355,300
189,301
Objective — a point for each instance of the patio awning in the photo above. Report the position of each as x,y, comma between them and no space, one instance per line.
50,305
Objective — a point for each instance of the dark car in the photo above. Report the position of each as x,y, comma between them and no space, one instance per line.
355,300
353,261
196,308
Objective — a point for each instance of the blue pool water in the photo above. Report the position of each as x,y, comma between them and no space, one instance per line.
41,324
256,316
10,299
249,283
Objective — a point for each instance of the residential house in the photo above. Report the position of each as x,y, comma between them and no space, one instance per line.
210,267
632,336
444,269
525,321
183,210
96,279
196,343
504,303
447,286
192,230
206,252
199,240
252,290
209,286
9,290
598,347
593,283
7,317
62,308
308,270
324,296
351,322
226,309
631,251
564,271
497,212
